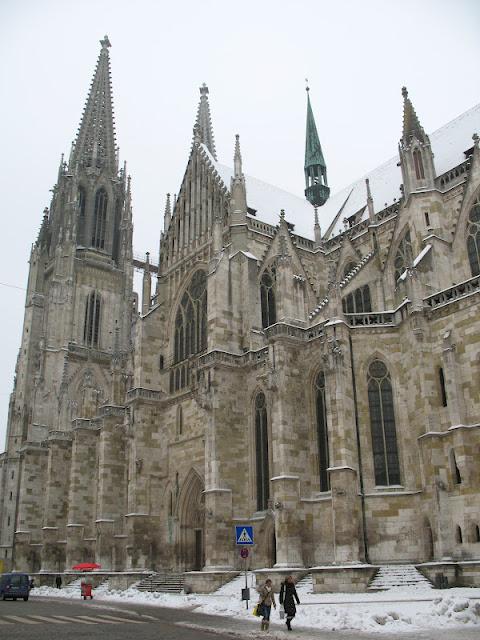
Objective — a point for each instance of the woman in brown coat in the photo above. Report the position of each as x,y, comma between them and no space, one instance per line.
267,599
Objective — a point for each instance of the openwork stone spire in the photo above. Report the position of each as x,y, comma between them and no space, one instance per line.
203,122
411,124
95,143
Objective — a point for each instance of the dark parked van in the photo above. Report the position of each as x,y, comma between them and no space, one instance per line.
14,585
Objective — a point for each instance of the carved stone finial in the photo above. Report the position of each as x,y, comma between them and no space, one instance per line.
105,43
404,92
475,139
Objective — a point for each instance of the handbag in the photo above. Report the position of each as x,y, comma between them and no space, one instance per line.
256,610
282,613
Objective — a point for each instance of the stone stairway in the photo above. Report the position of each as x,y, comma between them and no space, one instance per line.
305,585
398,576
163,582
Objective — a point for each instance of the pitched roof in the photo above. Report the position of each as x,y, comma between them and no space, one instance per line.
448,144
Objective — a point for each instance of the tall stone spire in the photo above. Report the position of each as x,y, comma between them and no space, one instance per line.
411,124
203,122
317,190
95,143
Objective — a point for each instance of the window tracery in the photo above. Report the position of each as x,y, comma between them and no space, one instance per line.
358,301
267,297
382,422
404,256
261,452
91,326
99,219
418,164
322,432
473,239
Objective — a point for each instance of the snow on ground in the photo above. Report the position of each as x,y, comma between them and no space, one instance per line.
395,610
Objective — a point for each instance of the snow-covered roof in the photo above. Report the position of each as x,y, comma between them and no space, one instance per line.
448,145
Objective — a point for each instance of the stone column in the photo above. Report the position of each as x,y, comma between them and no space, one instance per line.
140,549
75,545
218,497
105,544
342,443
455,400
50,554
282,383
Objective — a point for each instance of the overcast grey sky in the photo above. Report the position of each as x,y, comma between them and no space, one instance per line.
254,56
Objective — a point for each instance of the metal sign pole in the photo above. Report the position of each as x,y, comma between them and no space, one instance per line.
246,581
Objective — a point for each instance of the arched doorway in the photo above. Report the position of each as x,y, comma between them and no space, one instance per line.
191,519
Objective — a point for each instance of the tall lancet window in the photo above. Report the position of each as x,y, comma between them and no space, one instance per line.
91,326
81,204
261,452
191,320
382,421
267,297
418,164
322,432
473,239
99,219
404,255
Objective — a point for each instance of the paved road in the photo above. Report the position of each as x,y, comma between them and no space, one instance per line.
43,619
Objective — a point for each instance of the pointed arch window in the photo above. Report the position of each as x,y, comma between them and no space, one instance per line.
99,219
267,297
191,319
358,301
404,255
418,164
91,326
456,475
473,239
81,205
322,432
261,452
382,422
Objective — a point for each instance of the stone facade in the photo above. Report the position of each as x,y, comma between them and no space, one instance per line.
139,440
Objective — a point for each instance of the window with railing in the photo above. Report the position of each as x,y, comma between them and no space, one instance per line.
358,301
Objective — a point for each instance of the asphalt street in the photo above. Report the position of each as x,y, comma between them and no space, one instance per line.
44,619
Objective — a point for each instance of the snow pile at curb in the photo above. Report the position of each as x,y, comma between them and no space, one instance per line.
454,609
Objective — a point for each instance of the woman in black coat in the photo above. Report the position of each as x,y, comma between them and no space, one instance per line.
288,595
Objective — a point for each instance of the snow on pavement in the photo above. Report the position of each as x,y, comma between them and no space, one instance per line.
395,610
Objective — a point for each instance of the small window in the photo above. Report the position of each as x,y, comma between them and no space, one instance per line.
477,533
11,495
457,477
427,218
161,363
179,420
261,452
458,535
267,297
443,391
12,475
8,521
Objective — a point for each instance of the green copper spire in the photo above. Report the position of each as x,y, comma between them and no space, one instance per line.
317,190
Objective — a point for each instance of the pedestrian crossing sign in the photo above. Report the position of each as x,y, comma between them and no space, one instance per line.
244,534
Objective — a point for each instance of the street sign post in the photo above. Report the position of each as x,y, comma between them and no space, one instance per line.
244,536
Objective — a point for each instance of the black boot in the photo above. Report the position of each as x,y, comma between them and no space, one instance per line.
288,624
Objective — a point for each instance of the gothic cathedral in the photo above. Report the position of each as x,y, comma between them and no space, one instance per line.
309,366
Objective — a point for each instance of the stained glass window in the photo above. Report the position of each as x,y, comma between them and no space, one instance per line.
322,432
473,239
261,451
382,421
190,332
